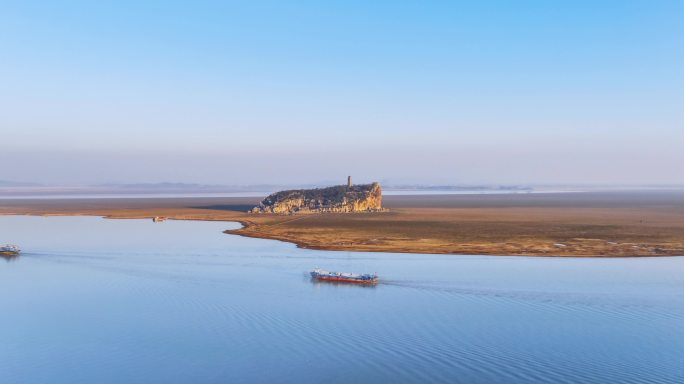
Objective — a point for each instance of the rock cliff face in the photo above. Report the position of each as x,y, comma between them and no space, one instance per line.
340,198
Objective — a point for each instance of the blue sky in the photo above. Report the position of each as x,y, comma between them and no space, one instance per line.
302,91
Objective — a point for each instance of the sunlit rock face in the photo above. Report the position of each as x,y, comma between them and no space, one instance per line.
340,198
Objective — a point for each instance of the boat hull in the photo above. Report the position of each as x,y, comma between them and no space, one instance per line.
344,280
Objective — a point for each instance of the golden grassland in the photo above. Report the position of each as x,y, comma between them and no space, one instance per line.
600,224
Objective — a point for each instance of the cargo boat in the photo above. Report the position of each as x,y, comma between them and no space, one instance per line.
319,274
9,250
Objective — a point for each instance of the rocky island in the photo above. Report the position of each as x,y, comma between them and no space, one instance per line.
339,198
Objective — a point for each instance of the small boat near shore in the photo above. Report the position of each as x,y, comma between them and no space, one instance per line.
9,250
158,219
345,277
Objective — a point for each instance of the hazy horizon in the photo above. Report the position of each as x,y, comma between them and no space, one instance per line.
298,93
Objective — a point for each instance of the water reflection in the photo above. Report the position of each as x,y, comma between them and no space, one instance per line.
319,283
9,256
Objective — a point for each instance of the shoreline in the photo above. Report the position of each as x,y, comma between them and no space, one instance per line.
299,243
302,244
596,225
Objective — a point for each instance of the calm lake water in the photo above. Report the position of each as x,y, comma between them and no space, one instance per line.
129,301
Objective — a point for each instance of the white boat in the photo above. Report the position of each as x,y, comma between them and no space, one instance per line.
9,249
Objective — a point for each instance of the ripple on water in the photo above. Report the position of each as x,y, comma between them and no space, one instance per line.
206,307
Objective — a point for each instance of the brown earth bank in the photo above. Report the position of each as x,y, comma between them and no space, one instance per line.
599,224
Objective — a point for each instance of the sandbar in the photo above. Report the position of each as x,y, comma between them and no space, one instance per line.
588,224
